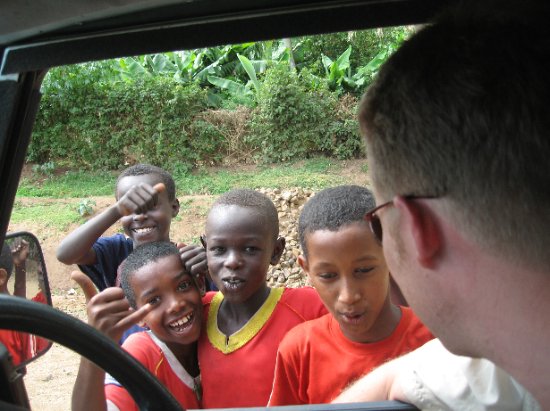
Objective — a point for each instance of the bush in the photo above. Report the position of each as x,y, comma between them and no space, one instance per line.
296,118
97,127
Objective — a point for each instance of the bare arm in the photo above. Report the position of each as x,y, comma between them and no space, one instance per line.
19,256
89,389
76,248
110,313
379,385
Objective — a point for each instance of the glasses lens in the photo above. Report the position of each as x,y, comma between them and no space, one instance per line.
376,227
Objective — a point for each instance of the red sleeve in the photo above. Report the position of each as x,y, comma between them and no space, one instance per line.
136,345
289,385
120,397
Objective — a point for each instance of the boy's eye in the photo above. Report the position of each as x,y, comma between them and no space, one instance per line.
363,271
184,285
327,276
153,300
250,249
216,250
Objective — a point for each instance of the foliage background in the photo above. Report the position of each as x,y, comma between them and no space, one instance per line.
260,102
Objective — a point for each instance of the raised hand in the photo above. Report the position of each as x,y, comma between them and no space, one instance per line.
20,252
108,311
139,199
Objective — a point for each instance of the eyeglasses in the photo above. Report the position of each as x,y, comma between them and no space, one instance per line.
374,221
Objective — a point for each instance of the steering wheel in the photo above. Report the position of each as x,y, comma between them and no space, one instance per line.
28,316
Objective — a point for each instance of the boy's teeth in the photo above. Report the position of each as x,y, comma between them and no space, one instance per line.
143,230
181,321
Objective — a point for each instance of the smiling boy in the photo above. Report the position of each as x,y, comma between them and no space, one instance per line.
363,329
145,204
159,292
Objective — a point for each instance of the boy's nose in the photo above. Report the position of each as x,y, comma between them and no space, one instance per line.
349,294
233,260
176,304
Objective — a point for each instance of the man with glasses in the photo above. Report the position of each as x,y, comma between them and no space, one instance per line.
457,127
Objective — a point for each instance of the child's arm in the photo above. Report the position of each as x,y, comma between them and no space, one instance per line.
76,248
110,313
19,256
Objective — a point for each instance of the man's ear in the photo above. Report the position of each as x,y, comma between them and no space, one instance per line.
175,207
3,277
278,250
425,231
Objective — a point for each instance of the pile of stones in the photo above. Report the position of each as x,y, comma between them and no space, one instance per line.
289,203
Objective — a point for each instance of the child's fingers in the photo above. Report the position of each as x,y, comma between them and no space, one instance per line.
159,187
194,259
135,317
85,283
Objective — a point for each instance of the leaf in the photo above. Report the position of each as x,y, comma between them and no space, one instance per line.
232,86
249,68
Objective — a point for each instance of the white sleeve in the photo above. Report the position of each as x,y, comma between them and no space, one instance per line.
435,379
111,406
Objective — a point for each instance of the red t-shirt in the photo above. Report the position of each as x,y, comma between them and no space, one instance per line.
163,364
18,344
237,371
315,361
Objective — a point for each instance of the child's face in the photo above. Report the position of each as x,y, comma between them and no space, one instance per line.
348,270
153,225
240,248
177,308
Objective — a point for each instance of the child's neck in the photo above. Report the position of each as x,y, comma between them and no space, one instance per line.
233,316
187,356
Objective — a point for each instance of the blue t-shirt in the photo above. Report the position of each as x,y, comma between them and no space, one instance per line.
110,252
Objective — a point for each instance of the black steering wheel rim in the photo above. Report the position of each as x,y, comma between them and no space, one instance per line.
42,320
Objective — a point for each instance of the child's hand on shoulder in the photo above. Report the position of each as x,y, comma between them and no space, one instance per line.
108,311
193,258
139,199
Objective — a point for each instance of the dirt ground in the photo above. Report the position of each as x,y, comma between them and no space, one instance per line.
50,378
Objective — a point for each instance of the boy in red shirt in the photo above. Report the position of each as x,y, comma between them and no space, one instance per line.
16,342
167,300
246,319
318,359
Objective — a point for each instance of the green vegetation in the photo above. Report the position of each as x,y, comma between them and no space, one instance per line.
316,173
47,213
272,101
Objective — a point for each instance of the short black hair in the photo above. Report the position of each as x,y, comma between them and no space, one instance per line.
334,208
6,259
248,198
146,169
142,255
